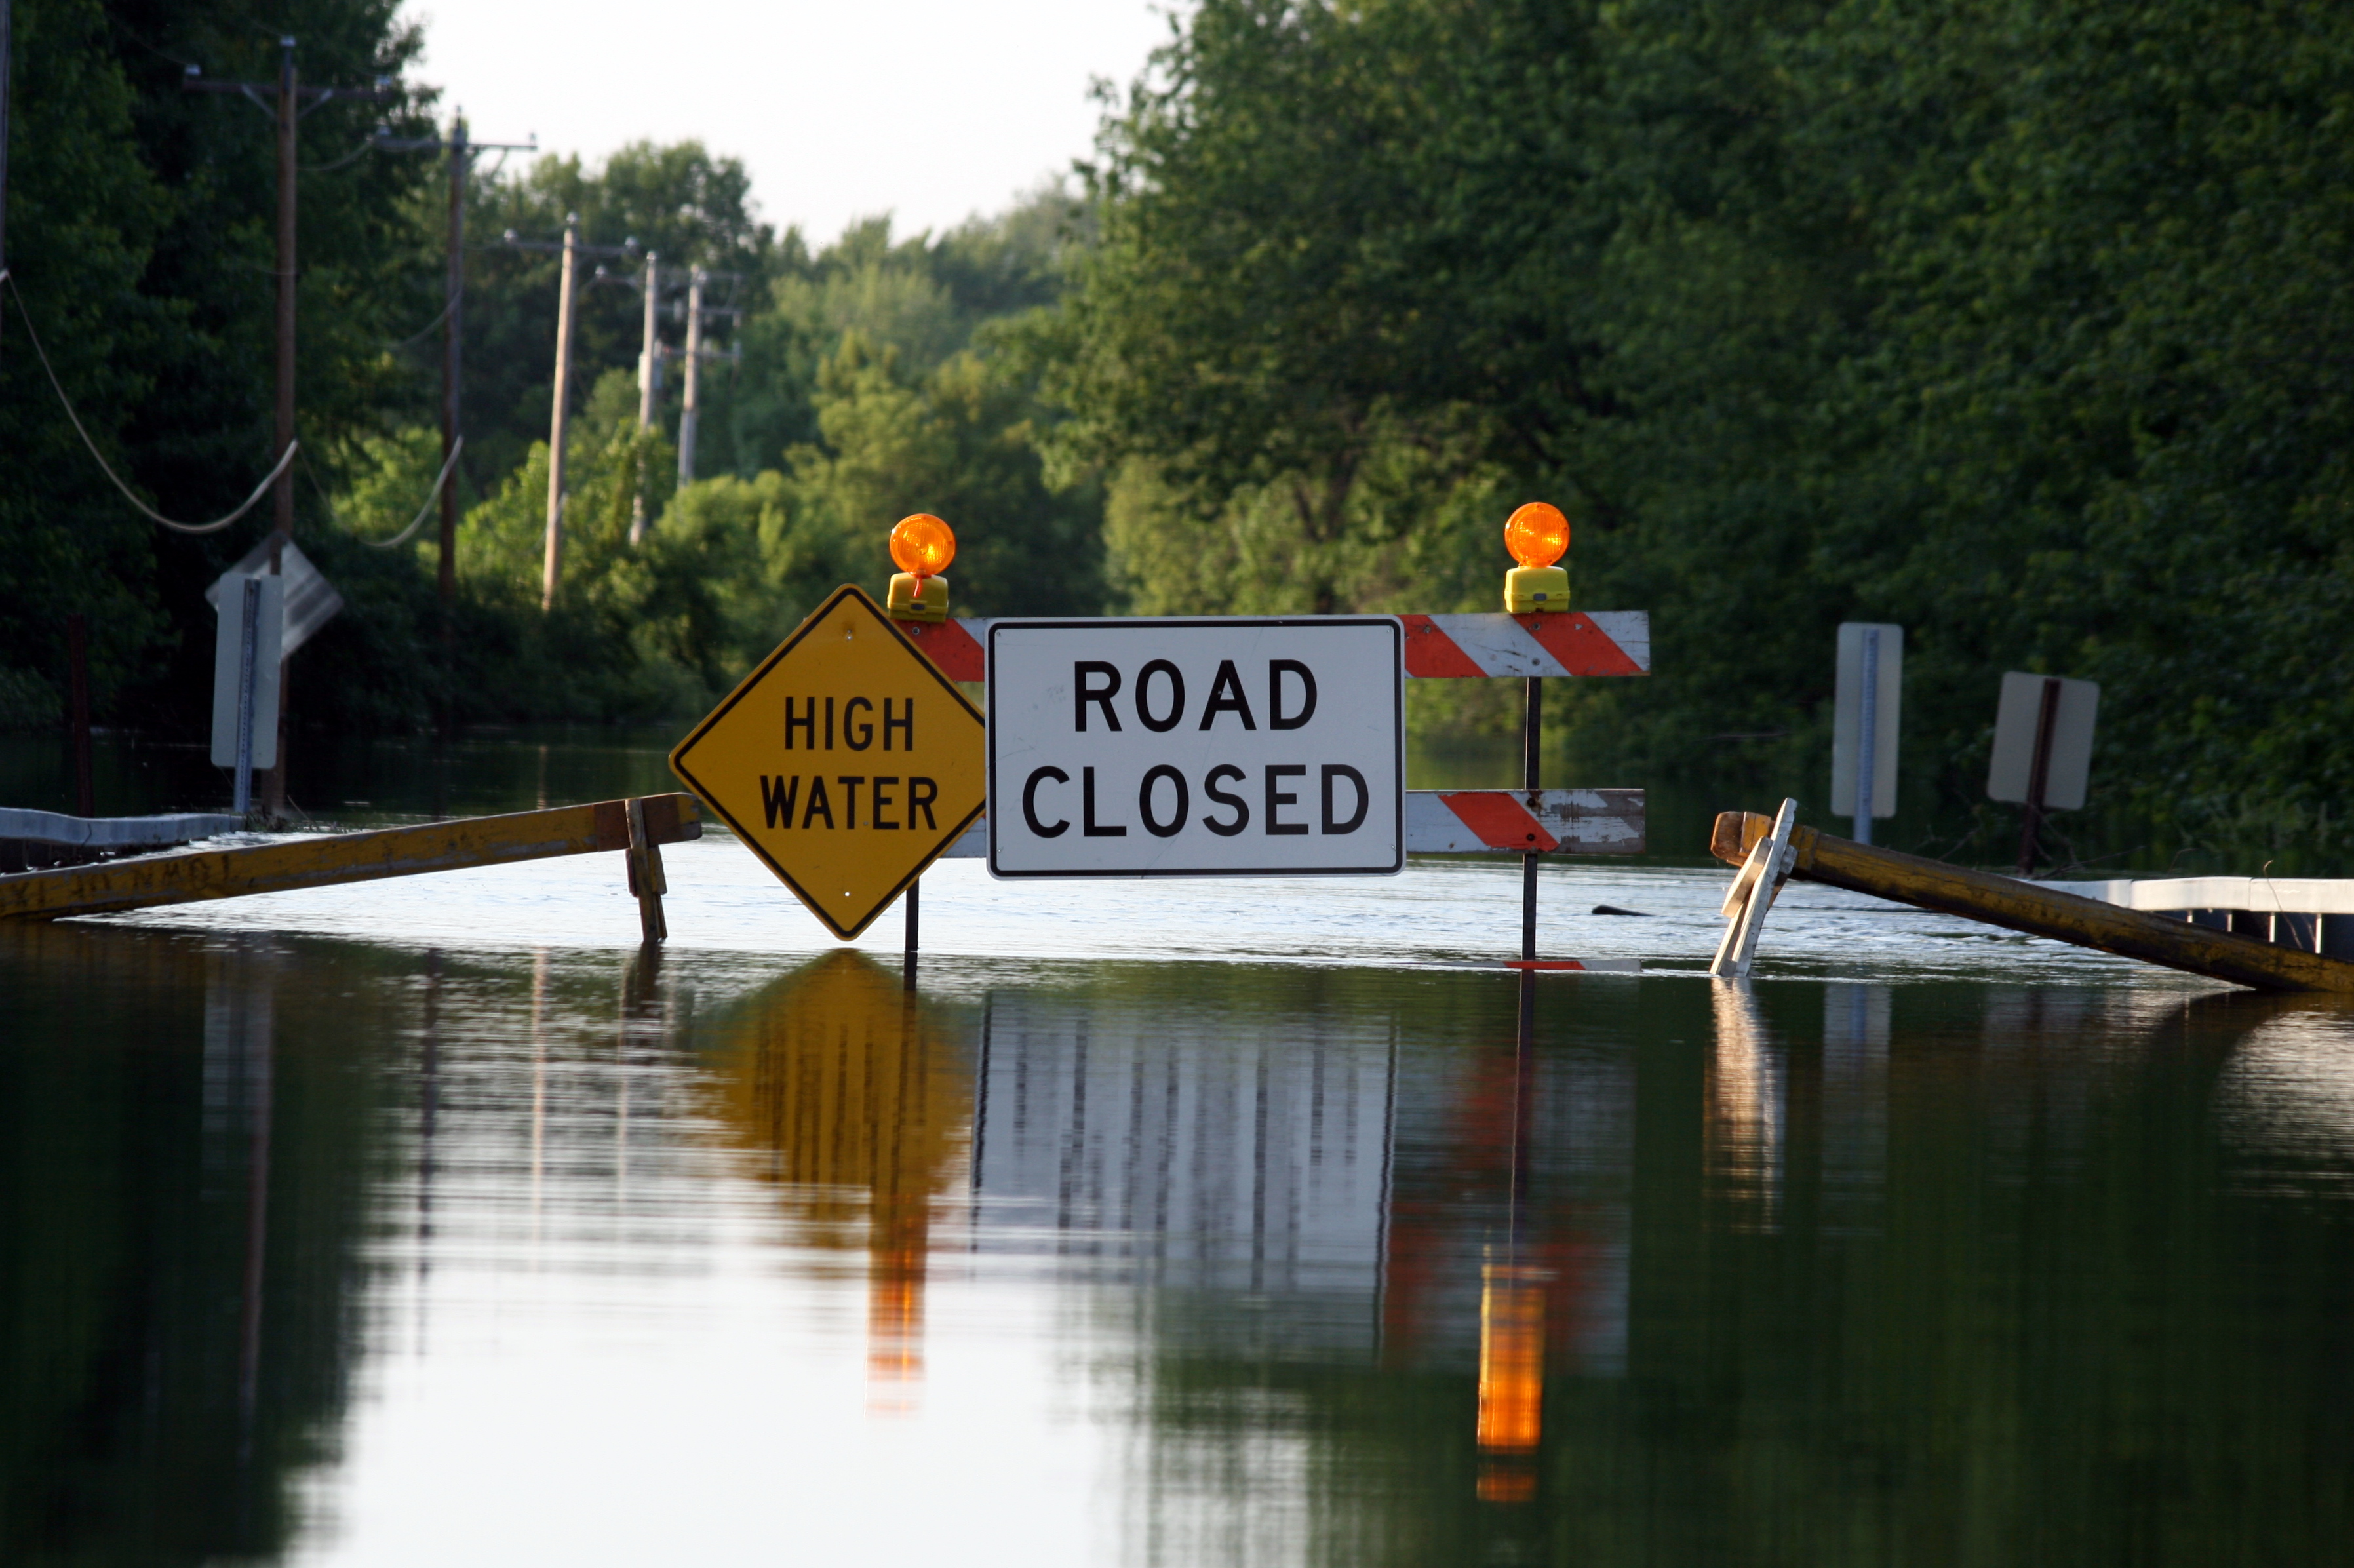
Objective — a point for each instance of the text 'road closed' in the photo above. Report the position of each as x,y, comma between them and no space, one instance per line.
1195,748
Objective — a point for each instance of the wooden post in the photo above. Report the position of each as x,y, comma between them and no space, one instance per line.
2038,909
647,883
78,710
453,340
1532,734
2038,775
281,500
553,566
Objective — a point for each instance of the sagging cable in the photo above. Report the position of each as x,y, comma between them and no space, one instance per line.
431,496
150,513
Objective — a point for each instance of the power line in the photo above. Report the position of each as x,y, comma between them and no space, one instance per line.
260,490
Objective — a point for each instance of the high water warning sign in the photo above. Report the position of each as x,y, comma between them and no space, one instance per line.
846,761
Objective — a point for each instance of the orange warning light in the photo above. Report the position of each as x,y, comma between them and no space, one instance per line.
924,545
1537,535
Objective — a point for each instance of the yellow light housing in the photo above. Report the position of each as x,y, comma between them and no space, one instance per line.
922,545
1537,535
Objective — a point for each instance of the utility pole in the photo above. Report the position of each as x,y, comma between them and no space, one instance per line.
649,380
8,53
288,114
690,403
453,329
552,562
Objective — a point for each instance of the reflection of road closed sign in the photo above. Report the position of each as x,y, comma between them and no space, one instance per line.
1227,748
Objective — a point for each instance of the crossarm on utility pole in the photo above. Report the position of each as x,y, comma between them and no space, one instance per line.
2037,910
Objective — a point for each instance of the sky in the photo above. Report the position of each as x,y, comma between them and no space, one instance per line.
929,110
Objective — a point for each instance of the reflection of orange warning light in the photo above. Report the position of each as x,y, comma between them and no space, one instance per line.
1512,1380
922,545
895,1331
1538,536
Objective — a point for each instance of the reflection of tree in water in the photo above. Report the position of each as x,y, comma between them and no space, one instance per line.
185,1137
863,1111
1978,1278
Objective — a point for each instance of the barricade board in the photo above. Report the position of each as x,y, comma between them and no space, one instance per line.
1233,747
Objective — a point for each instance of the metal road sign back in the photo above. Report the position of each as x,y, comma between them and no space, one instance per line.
1213,747
846,761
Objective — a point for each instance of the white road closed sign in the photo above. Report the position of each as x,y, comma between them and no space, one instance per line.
1225,747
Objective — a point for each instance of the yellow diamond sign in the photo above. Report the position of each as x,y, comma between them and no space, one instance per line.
846,761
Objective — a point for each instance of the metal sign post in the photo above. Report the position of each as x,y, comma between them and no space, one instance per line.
1869,689
2042,750
248,650
1196,747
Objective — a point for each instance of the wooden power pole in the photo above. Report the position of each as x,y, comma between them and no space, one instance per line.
288,114
553,565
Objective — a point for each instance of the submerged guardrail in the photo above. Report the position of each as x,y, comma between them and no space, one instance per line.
2032,907
638,826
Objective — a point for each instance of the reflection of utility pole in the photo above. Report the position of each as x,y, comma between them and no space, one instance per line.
288,114
552,563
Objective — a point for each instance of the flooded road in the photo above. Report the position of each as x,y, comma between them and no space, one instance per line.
1209,1223
340,1246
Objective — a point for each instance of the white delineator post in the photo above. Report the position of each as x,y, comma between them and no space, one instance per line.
1867,734
248,633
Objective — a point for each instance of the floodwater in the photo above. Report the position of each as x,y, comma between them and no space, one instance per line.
432,1221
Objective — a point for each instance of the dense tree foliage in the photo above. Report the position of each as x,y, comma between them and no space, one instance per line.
2018,324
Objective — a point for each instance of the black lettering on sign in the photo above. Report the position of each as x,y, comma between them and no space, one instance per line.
828,723
818,803
849,783
1276,774
1087,826
777,801
1277,669
921,794
806,723
1334,772
906,725
1241,820
884,803
1030,803
1082,693
1176,822
865,736
1176,697
1226,697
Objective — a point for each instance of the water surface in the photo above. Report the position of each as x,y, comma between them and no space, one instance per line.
434,1221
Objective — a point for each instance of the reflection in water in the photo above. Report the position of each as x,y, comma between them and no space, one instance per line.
181,1182
1190,1264
835,1072
1854,1106
1746,1108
